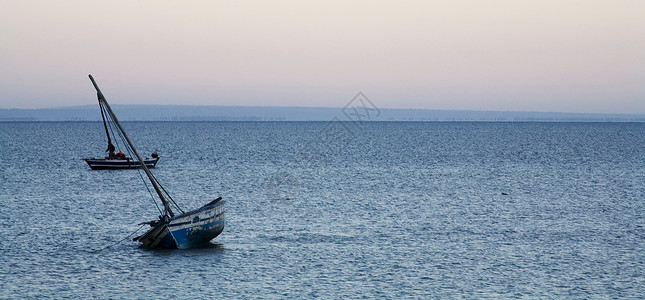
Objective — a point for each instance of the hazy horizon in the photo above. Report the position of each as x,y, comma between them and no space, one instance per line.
90,106
500,55
174,112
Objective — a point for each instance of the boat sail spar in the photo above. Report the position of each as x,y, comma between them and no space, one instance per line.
116,160
185,230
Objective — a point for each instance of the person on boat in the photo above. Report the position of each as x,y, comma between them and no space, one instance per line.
120,155
110,148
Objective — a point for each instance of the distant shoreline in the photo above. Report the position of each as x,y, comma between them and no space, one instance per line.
185,113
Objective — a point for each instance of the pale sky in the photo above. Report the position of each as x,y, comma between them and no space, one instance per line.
513,55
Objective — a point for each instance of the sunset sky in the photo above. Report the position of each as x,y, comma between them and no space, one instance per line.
550,56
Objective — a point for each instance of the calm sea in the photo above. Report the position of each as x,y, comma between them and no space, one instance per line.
331,210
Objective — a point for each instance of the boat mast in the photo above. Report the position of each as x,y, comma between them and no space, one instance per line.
166,205
107,132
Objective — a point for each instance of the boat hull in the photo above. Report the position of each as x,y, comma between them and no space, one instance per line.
107,164
188,230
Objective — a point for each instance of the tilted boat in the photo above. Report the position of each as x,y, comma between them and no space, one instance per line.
185,230
117,160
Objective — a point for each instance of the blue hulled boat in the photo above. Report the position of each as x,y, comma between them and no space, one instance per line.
171,231
187,230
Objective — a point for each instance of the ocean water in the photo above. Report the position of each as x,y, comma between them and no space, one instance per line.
331,210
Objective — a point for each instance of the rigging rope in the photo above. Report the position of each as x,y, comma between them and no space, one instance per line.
152,197
118,242
130,152
168,195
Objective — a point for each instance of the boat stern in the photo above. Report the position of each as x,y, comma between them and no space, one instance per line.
198,227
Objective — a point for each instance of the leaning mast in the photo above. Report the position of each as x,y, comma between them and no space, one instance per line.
153,180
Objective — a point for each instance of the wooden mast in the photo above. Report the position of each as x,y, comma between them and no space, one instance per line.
167,210
107,132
